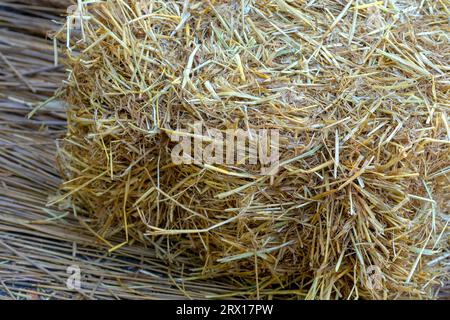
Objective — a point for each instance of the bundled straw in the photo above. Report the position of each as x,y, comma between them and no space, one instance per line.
358,92
39,244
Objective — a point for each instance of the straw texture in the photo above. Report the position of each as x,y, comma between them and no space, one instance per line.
38,243
359,93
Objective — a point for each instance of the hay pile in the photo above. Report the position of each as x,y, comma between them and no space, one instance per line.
358,92
39,243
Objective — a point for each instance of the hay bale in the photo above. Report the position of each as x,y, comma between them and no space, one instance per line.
39,245
357,93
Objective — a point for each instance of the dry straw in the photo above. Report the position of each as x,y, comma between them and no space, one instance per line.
39,243
359,93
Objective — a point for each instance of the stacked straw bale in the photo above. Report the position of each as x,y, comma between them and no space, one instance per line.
39,245
358,92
